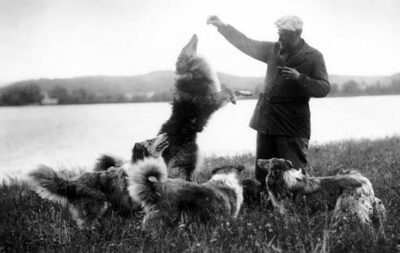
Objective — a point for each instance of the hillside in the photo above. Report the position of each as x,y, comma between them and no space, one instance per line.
146,83
154,81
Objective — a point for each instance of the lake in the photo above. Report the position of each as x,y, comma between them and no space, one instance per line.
75,135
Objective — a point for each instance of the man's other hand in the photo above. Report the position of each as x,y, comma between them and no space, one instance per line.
289,73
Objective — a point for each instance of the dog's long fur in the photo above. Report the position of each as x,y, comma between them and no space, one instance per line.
198,94
350,195
88,196
168,201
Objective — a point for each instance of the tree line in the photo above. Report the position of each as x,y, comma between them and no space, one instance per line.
31,93
352,88
24,94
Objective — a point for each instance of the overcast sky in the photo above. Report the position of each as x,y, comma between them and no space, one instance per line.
66,38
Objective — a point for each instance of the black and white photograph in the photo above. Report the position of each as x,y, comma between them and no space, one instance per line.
199,126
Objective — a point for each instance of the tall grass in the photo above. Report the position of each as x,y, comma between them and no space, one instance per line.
28,223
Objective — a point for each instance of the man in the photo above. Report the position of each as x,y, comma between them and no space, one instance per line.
295,73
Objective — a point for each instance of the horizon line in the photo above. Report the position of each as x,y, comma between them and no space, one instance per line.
5,82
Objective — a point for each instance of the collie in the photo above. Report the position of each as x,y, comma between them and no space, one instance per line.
350,194
89,195
198,94
168,201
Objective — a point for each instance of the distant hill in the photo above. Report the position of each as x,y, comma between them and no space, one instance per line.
158,85
164,80
2,83
147,85
141,84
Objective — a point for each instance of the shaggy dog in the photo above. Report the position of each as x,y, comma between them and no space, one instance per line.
198,94
169,201
350,194
89,195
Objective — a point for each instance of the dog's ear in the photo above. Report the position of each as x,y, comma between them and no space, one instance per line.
264,164
138,152
159,144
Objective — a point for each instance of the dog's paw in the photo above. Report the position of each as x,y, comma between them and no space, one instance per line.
232,96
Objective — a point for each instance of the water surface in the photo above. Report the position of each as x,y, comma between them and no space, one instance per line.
75,135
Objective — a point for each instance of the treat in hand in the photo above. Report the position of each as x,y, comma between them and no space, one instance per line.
243,93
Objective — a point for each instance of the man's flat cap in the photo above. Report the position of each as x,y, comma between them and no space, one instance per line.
290,23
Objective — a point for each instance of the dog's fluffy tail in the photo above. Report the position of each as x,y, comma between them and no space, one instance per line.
145,180
49,185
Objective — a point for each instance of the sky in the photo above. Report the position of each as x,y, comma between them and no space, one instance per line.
68,38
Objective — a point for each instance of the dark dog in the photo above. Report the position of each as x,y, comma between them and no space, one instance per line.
350,195
169,201
198,94
90,194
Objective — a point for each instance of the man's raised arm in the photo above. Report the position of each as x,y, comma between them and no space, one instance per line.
260,50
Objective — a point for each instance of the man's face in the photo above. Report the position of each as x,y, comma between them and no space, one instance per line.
288,39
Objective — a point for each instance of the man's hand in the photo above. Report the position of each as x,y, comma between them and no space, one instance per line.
289,73
215,21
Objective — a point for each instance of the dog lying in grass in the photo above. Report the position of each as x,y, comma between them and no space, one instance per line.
350,195
198,94
168,201
89,195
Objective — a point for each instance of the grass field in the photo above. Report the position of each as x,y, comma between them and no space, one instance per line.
28,223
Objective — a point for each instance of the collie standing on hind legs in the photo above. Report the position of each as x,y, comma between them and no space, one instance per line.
198,94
